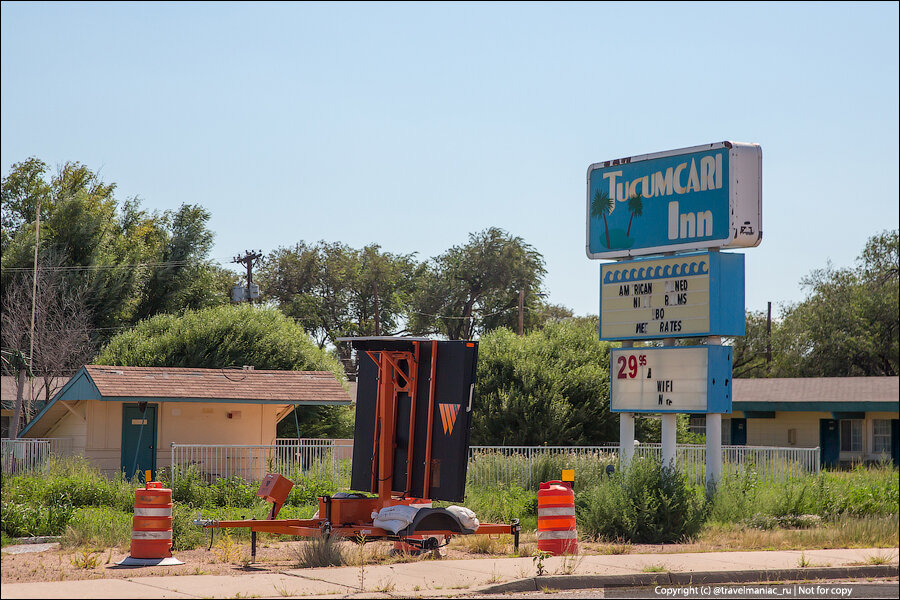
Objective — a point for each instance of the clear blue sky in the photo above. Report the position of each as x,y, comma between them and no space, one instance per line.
412,125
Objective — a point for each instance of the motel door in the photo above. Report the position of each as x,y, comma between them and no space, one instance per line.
738,432
829,443
138,439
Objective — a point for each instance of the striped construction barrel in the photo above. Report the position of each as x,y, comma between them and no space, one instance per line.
151,526
556,518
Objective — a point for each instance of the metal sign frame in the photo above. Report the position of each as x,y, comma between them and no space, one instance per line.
685,201
640,288
716,389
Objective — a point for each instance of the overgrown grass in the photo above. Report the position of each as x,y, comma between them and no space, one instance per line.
844,532
863,492
321,552
98,527
856,508
69,481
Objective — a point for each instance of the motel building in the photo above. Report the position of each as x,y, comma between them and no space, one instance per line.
127,418
852,419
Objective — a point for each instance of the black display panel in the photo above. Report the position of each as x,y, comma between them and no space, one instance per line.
451,422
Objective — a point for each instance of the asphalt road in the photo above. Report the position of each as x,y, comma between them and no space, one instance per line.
887,588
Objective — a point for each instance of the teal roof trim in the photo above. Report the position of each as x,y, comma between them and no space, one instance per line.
854,406
81,386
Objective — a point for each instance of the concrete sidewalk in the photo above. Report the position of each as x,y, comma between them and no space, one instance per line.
441,578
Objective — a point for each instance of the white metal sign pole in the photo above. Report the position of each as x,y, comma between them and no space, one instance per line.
669,429
626,431
713,437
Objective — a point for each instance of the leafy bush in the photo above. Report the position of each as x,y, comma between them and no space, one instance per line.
642,504
550,386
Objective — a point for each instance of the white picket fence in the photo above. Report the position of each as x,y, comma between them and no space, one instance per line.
527,466
524,466
28,455
320,458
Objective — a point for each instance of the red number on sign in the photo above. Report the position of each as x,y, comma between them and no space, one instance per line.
632,366
643,359
622,364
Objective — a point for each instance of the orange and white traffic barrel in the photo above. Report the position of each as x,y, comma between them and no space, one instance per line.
151,527
556,518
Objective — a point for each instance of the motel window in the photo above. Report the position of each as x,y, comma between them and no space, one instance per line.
881,436
5,426
851,435
697,424
726,432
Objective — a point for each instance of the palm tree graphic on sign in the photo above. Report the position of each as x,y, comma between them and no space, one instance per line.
602,205
636,208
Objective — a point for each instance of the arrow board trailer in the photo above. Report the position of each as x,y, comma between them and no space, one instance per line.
680,200
688,295
675,379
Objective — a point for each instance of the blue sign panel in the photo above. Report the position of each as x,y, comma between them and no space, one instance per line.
672,379
686,295
688,199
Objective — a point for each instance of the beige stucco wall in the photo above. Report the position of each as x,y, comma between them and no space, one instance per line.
774,432
99,436
73,427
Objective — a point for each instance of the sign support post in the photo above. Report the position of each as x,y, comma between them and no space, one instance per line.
626,438
669,435
626,430
713,438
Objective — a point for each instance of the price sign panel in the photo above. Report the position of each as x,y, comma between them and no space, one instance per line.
673,379
696,294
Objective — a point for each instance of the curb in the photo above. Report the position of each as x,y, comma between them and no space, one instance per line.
44,539
574,582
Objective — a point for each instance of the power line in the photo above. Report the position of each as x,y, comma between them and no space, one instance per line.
173,263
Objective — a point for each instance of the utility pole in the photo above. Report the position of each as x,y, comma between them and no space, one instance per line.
521,312
769,337
249,260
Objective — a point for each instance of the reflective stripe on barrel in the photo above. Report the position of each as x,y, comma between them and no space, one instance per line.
151,526
556,518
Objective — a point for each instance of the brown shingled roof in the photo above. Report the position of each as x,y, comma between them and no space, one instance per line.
211,384
817,389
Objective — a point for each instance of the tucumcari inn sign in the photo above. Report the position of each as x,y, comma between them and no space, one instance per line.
701,197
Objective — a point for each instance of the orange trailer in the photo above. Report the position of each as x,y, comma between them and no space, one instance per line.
410,460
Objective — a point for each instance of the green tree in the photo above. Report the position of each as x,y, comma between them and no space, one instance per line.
847,325
550,386
334,290
474,288
132,263
749,350
233,336
183,278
